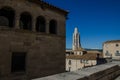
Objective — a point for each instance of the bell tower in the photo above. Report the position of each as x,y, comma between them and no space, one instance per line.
76,40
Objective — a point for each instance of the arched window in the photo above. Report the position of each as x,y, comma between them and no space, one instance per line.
7,17
53,27
26,21
40,24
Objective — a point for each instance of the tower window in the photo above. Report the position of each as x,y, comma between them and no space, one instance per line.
53,27
18,61
7,17
40,24
26,21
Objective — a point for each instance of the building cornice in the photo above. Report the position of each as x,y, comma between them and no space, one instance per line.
44,4
112,41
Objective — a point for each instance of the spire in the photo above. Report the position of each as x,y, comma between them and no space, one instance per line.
76,39
76,30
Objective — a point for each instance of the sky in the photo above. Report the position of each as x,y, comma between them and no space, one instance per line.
97,21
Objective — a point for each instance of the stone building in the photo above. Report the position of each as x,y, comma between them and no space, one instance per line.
32,39
79,58
76,40
111,49
76,62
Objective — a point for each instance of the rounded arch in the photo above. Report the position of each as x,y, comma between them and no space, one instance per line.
7,15
26,21
40,24
53,27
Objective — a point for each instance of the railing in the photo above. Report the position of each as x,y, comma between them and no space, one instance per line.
117,54
107,54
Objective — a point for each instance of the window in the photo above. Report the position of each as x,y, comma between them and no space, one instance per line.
69,62
53,27
107,53
117,53
117,45
18,61
69,69
86,61
40,24
25,21
80,60
7,17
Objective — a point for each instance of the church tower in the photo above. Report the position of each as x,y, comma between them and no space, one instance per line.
76,40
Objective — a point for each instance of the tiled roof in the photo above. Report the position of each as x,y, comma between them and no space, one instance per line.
87,56
73,57
112,41
80,49
70,50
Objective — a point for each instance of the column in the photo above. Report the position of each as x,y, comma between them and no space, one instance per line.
33,24
47,26
17,20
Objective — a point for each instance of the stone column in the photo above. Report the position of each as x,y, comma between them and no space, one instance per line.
17,20
33,24
47,26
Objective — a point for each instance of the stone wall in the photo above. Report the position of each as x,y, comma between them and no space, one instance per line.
110,50
43,57
45,52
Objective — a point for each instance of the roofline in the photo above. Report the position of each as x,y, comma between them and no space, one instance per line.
111,41
41,2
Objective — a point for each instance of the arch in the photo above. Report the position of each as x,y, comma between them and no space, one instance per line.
25,21
7,15
53,27
40,24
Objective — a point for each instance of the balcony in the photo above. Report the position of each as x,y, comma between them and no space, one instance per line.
107,54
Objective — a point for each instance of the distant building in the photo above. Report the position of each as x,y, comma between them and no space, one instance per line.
78,58
76,40
111,49
32,39
76,45
76,62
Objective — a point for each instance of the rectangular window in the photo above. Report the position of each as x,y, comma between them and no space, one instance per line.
18,61
69,69
107,53
117,53
69,62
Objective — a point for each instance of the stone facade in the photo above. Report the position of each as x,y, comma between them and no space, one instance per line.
111,49
32,39
76,40
77,64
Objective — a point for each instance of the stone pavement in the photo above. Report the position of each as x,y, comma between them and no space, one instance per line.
99,72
